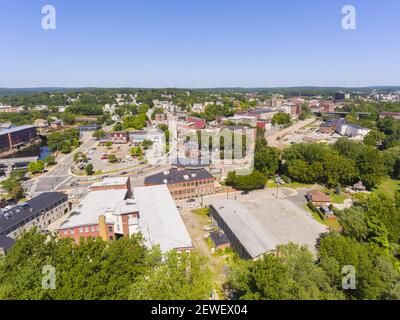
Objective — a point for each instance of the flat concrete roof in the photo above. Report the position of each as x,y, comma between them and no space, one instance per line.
262,224
159,220
104,202
111,182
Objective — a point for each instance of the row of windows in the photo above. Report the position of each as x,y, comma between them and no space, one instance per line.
85,230
193,183
187,191
37,215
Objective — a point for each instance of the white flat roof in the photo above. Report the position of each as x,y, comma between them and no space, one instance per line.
111,182
96,203
159,220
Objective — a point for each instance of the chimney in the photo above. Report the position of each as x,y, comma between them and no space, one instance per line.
103,227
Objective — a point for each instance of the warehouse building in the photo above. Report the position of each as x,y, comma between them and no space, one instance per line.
255,228
160,221
247,237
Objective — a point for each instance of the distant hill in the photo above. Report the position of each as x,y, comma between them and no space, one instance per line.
291,90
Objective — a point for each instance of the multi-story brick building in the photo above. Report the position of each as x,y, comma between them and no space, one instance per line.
105,212
16,137
109,212
119,137
184,183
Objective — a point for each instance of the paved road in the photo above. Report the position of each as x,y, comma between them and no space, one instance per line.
273,139
59,174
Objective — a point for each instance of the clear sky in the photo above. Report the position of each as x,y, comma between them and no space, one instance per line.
199,43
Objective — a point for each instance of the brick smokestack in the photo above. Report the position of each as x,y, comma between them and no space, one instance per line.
103,227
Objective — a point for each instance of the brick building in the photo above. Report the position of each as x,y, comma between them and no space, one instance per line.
119,137
106,212
16,137
109,212
184,183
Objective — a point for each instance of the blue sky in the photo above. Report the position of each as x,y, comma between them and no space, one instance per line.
199,43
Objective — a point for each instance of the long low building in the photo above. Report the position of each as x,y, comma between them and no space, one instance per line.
159,220
255,228
244,232
38,212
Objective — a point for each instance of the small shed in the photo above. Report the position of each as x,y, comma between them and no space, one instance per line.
220,240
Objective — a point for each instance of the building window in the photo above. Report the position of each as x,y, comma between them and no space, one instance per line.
97,228
111,238
110,229
80,230
72,231
93,229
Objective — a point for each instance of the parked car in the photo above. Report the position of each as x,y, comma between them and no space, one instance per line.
245,192
190,200
124,172
193,205
209,228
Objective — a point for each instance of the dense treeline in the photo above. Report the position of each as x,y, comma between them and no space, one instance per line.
344,163
63,141
98,270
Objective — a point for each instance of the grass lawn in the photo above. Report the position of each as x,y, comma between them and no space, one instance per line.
201,211
387,187
336,198
294,185
334,224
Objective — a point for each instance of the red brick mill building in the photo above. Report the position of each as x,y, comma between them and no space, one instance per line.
184,183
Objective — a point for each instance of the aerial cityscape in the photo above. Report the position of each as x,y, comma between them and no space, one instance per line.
171,177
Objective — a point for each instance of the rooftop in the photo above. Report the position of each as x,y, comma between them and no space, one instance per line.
6,243
256,240
318,196
264,223
16,129
18,214
218,238
111,182
104,202
160,221
175,175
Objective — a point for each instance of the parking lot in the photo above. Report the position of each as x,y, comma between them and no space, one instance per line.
310,134
99,157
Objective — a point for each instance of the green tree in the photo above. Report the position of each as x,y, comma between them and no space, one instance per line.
99,134
40,166
112,158
374,138
146,144
179,277
281,118
50,160
32,167
253,181
89,169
